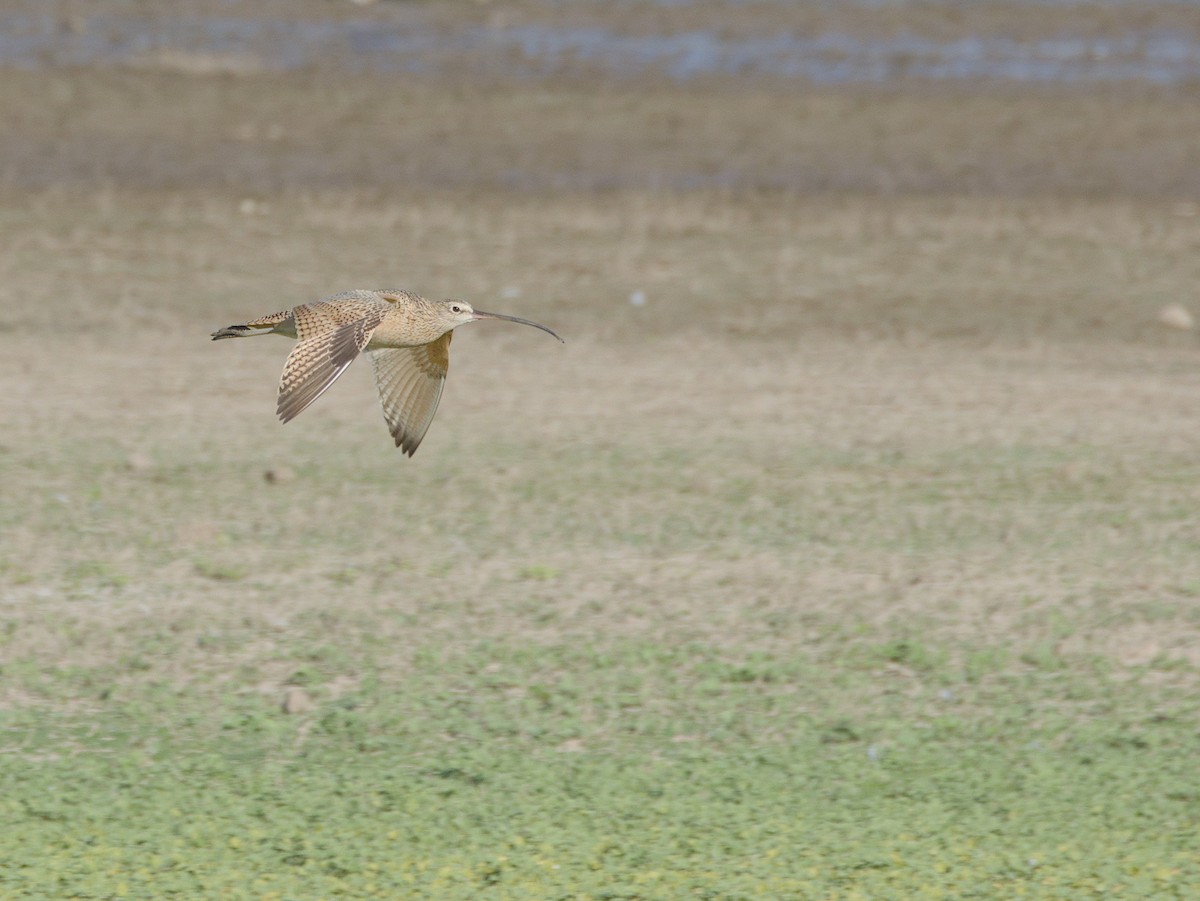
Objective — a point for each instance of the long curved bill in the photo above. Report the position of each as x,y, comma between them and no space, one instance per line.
479,314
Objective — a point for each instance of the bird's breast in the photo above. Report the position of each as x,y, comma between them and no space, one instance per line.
400,330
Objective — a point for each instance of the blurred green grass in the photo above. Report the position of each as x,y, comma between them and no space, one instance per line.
636,669
638,771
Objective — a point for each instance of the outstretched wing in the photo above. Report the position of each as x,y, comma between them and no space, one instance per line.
410,381
326,347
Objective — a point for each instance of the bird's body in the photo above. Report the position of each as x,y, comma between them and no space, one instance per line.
407,336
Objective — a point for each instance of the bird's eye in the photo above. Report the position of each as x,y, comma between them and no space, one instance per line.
455,308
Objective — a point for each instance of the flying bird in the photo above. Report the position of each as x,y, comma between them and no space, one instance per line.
406,335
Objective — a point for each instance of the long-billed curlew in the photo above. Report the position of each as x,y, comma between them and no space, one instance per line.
407,336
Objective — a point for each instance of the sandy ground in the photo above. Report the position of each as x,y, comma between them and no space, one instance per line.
756,470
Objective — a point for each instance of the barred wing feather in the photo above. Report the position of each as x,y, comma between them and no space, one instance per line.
319,357
410,381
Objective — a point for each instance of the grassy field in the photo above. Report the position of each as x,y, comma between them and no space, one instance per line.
860,560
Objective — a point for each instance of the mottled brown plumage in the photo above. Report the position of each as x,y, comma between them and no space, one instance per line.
407,336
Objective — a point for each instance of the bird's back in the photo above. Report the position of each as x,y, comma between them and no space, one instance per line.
410,321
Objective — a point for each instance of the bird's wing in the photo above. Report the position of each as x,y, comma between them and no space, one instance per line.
410,381
326,347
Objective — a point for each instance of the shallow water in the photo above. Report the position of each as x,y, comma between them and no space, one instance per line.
536,50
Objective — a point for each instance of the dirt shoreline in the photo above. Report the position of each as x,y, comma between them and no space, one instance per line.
263,134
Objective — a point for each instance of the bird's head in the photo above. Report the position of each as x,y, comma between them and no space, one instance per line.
458,312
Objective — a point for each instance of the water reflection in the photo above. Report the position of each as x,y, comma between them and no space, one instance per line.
530,51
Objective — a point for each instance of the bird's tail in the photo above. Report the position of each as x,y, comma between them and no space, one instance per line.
239,331
277,323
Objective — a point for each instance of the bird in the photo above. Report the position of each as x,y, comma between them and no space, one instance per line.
406,335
